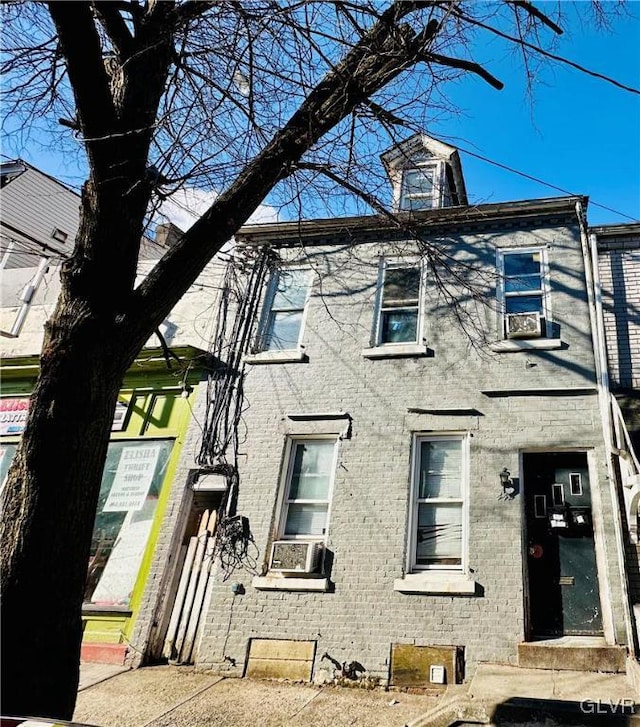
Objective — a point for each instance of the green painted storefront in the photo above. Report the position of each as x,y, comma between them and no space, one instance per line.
152,418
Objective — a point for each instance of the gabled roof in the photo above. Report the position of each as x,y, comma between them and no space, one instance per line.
402,153
407,152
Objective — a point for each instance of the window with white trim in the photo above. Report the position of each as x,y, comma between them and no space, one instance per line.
282,329
308,487
438,531
399,304
419,188
523,292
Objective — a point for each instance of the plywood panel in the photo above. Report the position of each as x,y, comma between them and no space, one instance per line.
281,659
410,665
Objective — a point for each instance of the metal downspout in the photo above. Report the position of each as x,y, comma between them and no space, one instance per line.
594,296
27,297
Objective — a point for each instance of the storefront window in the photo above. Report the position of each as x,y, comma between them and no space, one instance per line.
7,451
131,483
129,492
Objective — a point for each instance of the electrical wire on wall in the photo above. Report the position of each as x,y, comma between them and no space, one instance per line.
239,300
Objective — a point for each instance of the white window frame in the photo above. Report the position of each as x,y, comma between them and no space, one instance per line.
268,309
412,566
387,264
438,186
502,295
285,487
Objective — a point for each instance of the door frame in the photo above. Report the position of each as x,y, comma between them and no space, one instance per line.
598,535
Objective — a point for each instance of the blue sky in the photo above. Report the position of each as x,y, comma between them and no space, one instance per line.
578,133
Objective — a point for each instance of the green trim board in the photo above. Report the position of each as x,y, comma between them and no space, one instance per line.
149,359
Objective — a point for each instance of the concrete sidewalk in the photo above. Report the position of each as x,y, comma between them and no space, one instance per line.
510,695
173,696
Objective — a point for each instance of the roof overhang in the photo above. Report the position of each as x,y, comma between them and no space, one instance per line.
478,217
150,359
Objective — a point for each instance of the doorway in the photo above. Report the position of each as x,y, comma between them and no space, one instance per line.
563,594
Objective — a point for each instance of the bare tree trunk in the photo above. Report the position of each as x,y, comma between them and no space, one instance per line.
49,507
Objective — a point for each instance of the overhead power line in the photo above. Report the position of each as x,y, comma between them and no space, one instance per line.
548,54
543,182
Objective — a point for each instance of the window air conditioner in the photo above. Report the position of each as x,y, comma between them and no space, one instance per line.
524,325
294,556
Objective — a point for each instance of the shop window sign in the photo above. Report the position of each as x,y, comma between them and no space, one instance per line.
14,411
131,484
132,478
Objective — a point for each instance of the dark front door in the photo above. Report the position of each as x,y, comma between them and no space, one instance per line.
561,562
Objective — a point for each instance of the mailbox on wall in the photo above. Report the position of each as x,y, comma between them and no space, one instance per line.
581,517
568,519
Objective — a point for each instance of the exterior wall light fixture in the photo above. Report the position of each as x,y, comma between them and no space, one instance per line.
506,482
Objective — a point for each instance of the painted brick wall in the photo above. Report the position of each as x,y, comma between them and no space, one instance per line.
368,522
619,270
369,511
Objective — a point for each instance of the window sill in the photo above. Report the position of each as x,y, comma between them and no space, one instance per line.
93,608
444,583
396,350
271,357
526,344
278,582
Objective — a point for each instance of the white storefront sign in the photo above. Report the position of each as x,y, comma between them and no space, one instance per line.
132,479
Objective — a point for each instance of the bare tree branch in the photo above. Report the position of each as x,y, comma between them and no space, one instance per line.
192,9
536,13
115,27
546,54
465,66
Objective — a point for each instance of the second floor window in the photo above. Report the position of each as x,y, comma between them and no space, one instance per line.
398,319
288,296
523,292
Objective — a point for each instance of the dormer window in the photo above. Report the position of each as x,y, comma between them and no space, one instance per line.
418,189
425,174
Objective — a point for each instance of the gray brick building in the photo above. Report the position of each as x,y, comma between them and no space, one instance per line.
423,475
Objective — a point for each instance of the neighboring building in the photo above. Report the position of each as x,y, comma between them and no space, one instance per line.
423,476
618,249
619,264
38,224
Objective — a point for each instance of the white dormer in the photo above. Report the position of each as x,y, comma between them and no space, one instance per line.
425,174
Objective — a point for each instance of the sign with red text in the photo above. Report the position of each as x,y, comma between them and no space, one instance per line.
13,415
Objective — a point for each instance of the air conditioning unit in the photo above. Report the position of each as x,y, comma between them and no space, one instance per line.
524,325
295,556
